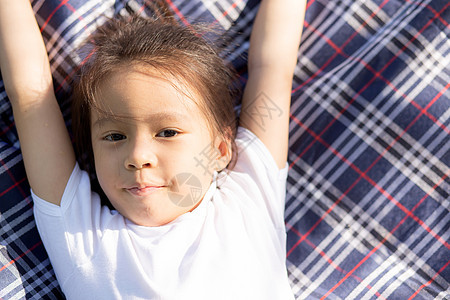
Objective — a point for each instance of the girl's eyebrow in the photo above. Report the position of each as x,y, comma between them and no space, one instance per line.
154,117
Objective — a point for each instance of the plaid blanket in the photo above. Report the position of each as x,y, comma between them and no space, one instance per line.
367,209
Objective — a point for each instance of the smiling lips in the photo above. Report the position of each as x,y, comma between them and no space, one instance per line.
143,191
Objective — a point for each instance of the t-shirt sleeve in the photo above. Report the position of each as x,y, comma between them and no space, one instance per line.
256,161
71,232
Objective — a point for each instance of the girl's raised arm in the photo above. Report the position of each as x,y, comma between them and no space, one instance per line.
46,147
272,58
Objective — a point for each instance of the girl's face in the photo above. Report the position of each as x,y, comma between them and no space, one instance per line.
154,153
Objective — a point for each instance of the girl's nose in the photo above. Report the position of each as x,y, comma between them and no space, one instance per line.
140,156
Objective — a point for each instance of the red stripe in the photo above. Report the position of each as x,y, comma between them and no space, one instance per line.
364,175
227,11
62,3
81,19
339,49
395,89
8,128
72,9
429,281
178,12
331,262
309,3
141,9
20,256
383,241
365,87
16,183
432,10
75,70
323,217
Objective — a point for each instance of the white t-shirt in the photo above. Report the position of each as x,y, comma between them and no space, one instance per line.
232,246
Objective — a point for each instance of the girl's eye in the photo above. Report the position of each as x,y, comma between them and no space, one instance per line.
114,137
167,133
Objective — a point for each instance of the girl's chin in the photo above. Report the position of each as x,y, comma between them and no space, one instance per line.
156,220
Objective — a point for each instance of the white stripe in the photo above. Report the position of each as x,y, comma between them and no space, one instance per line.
9,162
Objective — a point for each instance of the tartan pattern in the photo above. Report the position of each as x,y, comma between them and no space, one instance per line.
367,208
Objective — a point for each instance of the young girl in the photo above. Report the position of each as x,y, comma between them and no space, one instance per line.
153,110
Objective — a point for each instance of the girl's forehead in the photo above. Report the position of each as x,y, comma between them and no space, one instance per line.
144,89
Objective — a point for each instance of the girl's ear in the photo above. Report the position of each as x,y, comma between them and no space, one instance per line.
224,150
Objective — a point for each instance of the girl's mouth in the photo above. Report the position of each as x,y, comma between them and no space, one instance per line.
143,191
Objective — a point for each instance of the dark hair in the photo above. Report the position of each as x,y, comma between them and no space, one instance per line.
161,43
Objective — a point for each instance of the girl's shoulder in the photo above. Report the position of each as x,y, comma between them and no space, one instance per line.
255,182
252,151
